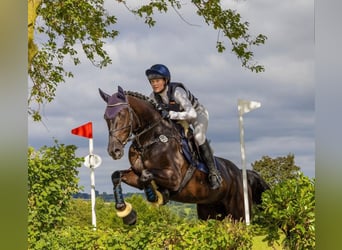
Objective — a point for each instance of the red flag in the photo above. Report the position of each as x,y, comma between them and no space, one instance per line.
85,130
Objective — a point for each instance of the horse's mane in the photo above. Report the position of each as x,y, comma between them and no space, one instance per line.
142,97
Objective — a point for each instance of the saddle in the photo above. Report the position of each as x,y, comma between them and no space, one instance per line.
190,148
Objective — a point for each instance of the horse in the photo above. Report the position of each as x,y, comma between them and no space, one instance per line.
159,165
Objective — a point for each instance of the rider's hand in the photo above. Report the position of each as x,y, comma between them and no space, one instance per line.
165,114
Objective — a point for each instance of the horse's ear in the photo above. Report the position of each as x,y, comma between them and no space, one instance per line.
104,95
121,93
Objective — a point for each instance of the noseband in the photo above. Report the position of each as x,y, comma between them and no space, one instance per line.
130,125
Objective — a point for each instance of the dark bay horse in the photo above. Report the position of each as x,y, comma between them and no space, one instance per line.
159,167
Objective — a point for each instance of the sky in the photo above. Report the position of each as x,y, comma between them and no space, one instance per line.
284,124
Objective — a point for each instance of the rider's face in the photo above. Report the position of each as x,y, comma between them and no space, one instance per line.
157,85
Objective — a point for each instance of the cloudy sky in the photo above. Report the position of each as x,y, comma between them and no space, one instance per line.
283,124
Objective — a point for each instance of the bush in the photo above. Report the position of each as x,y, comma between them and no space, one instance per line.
202,235
156,228
52,179
289,207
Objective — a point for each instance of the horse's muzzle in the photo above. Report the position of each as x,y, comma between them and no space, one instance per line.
115,152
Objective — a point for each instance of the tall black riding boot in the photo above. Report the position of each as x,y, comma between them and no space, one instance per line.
215,178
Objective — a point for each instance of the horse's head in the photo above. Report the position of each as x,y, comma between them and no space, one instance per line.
119,121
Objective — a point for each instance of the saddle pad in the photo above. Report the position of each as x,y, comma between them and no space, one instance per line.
201,166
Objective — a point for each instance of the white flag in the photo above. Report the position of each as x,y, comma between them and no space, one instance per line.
246,106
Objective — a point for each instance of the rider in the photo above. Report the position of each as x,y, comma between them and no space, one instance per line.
184,106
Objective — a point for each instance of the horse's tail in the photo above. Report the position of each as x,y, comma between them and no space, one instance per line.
257,184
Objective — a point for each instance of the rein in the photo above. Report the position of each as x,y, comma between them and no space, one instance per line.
131,135
144,131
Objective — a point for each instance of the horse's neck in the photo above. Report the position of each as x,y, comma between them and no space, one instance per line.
144,111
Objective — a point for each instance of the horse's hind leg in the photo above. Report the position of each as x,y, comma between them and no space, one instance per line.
257,185
123,209
211,211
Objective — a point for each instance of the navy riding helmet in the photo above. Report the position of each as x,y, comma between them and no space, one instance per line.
158,71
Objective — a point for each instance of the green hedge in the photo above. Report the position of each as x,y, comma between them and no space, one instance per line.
289,209
201,235
156,228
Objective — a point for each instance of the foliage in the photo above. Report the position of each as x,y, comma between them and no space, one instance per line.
156,228
185,210
274,171
79,213
56,221
226,21
52,179
289,207
62,25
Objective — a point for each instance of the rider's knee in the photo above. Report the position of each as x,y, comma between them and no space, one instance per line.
200,138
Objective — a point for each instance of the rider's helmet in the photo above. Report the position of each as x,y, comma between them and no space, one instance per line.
158,71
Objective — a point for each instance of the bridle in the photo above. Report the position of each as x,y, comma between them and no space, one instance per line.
130,125
132,134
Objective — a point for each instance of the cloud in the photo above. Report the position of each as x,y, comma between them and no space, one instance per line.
283,124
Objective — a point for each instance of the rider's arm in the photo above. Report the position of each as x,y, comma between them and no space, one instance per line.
182,99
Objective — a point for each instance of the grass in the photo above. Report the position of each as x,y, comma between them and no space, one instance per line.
258,244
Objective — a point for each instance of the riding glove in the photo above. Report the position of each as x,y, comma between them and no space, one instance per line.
165,114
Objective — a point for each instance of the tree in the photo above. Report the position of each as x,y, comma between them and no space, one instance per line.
64,24
226,21
274,171
52,179
67,23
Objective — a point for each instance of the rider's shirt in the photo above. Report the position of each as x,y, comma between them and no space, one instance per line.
181,103
188,109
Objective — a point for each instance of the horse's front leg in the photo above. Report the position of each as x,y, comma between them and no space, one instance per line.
166,177
153,195
145,181
131,178
123,209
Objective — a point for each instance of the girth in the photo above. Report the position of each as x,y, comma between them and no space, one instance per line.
140,148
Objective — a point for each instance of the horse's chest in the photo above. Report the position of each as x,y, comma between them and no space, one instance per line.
141,160
135,158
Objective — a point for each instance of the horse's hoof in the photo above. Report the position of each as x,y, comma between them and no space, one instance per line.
130,219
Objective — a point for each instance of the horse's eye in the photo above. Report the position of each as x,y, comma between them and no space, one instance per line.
121,114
